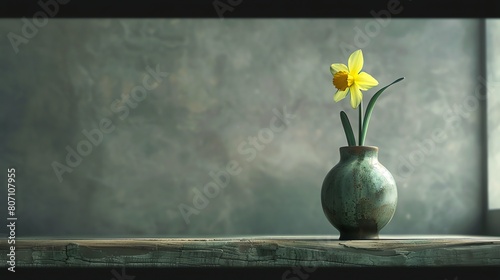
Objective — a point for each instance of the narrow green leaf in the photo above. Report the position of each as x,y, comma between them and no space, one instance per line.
369,110
347,129
360,121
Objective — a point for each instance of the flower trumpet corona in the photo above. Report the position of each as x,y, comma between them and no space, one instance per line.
349,78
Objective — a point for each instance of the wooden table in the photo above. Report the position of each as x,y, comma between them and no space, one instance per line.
292,257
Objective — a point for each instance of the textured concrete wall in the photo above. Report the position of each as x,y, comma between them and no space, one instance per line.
493,55
493,60
221,82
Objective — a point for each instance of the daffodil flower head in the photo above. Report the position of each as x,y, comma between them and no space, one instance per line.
350,78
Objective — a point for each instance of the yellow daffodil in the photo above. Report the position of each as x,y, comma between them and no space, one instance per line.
350,78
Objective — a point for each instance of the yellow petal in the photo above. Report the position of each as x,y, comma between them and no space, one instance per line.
355,62
340,94
365,81
337,67
356,96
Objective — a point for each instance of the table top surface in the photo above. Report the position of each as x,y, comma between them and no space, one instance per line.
236,237
256,251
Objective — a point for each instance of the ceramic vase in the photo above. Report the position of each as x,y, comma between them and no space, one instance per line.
359,195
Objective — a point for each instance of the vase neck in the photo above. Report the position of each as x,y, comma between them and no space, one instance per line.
358,152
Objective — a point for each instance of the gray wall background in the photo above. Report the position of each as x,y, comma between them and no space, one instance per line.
225,77
493,55
493,60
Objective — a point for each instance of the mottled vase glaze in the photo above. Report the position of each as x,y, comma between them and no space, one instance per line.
359,195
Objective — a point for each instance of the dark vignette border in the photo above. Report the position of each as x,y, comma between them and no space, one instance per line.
252,8
407,273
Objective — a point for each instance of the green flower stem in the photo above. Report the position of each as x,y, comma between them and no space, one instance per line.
369,110
360,121
347,129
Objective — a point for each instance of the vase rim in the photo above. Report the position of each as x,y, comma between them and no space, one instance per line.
348,151
366,148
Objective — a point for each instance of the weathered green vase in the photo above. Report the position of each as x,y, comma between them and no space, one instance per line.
359,195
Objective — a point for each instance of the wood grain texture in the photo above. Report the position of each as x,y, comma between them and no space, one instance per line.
317,251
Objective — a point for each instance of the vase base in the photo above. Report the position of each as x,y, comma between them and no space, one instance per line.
359,235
